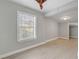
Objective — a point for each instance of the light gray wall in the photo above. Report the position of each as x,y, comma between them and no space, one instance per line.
64,30
46,29
51,29
73,31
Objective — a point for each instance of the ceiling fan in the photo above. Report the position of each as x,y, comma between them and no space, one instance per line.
40,2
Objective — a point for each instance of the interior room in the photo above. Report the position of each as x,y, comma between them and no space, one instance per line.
38,29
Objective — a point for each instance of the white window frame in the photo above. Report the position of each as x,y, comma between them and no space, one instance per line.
19,38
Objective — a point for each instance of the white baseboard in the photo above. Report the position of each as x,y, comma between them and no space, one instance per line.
64,38
26,48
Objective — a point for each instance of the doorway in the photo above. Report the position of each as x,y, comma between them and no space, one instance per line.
73,31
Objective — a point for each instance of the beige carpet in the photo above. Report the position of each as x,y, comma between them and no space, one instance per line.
57,49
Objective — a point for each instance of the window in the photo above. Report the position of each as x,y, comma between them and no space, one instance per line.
26,26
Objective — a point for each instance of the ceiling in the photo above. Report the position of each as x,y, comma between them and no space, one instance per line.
72,13
49,5
54,8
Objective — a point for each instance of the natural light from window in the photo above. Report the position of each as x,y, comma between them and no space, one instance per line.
26,26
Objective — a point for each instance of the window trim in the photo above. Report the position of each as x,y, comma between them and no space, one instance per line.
29,38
